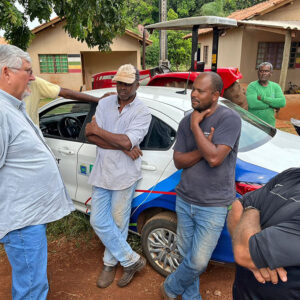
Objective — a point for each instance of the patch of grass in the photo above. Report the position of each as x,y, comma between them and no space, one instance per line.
44,101
75,225
135,242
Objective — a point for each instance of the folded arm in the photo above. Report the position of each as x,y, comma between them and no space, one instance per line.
252,99
213,154
108,139
183,160
276,102
243,226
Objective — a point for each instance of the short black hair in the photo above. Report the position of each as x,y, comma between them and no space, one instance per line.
216,81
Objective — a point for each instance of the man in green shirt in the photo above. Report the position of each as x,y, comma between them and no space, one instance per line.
264,96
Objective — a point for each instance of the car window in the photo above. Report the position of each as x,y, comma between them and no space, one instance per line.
255,132
160,136
64,120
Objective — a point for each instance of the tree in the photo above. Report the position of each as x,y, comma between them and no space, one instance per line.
142,12
152,52
96,22
219,8
179,50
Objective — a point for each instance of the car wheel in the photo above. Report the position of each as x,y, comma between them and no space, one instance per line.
159,243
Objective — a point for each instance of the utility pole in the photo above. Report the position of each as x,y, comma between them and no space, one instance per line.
163,41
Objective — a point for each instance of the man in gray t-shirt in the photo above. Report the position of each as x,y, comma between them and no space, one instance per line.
206,150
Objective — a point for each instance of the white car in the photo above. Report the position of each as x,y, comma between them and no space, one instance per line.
263,152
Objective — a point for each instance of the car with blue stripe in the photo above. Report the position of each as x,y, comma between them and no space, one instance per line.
263,152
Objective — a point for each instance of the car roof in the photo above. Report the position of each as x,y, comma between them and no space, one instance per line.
167,96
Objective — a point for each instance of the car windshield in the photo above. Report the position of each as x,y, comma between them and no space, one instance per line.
255,132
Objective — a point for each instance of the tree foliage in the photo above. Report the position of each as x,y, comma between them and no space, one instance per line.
96,22
179,50
142,12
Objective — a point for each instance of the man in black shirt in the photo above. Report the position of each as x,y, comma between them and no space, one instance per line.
265,230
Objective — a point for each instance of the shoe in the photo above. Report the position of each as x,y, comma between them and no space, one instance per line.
107,276
163,293
130,271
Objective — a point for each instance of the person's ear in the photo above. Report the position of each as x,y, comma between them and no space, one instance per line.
215,96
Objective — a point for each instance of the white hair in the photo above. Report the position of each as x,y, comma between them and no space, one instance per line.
12,56
265,64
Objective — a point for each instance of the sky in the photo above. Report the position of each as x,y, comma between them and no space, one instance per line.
31,25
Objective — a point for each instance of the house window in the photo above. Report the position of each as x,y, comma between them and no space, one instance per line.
270,52
273,53
205,54
53,63
295,55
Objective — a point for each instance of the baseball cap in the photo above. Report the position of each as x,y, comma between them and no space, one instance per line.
126,73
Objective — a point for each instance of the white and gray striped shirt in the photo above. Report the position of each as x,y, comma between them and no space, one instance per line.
113,169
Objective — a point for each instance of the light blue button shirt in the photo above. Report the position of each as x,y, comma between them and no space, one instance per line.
31,189
113,169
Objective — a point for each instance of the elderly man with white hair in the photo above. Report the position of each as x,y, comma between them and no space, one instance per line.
32,191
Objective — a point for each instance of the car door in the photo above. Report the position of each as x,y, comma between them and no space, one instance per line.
61,126
156,159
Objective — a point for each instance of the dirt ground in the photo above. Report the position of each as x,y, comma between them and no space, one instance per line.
73,269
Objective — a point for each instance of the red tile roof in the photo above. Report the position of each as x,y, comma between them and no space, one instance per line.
55,20
258,9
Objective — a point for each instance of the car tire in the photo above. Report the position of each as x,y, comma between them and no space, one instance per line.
159,242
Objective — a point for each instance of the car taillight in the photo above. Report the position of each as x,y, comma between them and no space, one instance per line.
243,187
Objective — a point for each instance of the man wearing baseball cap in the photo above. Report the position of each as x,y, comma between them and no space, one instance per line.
120,124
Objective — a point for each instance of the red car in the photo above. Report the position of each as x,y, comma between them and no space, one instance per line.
155,77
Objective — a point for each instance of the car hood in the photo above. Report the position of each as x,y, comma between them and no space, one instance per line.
278,154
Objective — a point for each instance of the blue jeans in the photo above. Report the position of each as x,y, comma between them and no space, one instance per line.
110,213
198,231
26,249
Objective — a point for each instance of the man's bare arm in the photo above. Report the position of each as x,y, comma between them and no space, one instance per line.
183,160
234,216
70,94
249,225
118,141
213,154
134,153
94,139
241,233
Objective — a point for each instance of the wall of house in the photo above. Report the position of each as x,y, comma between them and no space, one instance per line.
54,40
229,54
289,12
95,61
205,40
251,38
230,48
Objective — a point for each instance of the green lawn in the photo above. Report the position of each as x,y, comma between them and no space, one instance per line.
45,101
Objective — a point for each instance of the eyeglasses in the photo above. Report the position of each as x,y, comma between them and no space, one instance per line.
29,71
264,71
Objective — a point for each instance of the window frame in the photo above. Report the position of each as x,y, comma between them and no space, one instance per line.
277,60
61,68
148,136
205,53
